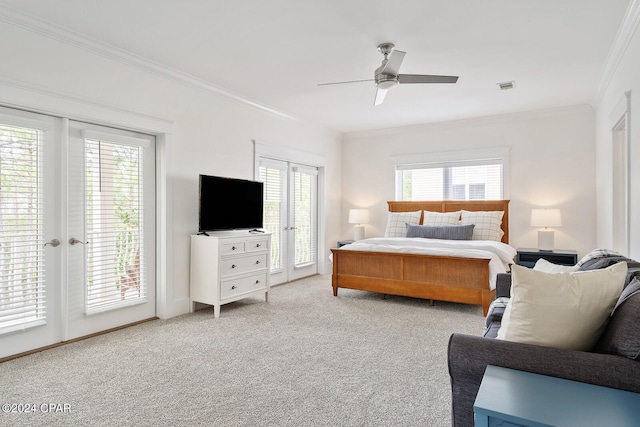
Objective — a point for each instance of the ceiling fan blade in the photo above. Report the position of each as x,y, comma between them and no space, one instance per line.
419,78
380,94
341,83
393,63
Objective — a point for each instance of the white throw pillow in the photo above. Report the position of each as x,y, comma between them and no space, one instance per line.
549,267
562,310
396,223
487,224
441,218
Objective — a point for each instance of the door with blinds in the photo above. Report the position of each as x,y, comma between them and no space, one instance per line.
30,259
111,229
77,230
291,215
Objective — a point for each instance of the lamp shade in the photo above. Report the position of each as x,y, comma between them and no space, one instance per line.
358,216
546,218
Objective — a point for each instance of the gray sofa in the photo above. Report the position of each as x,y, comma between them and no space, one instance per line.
614,362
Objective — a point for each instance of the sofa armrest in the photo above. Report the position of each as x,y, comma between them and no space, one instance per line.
468,356
503,285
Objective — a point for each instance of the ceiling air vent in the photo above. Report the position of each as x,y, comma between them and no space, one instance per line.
507,85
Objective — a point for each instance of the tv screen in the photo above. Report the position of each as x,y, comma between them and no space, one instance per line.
229,204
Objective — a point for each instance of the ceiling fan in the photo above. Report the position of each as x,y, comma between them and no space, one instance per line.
386,75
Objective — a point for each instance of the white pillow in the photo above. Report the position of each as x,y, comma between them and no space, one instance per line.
441,218
487,224
396,223
562,310
549,267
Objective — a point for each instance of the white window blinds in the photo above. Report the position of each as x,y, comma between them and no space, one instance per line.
274,177
115,272
304,214
462,180
22,266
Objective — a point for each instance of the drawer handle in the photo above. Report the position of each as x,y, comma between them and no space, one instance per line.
233,248
258,245
258,261
233,287
257,281
233,266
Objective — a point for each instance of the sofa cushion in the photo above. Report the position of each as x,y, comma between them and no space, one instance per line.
633,267
563,310
549,267
622,335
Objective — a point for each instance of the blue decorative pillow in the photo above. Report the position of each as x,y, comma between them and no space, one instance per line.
444,232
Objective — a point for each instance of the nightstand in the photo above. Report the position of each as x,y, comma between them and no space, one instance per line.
528,257
515,398
344,242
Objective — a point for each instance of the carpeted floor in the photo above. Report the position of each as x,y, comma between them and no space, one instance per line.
305,358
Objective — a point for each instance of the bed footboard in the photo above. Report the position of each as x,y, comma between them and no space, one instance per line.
443,278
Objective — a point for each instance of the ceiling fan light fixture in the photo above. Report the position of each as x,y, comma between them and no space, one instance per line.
387,84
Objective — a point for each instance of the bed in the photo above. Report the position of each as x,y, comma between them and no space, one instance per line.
435,276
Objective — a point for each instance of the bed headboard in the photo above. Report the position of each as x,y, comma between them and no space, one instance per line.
456,205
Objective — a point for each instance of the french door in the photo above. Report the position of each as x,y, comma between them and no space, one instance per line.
291,215
77,248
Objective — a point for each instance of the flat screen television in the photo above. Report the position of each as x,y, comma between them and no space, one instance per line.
229,204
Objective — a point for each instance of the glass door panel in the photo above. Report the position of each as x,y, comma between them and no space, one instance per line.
30,246
290,214
111,228
303,202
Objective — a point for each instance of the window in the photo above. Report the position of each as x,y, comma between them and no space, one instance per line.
114,223
460,180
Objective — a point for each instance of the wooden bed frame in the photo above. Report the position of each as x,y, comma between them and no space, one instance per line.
443,278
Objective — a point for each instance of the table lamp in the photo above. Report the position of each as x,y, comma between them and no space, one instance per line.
546,218
359,217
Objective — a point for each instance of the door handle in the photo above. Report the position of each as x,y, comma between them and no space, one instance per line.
55,243
74,241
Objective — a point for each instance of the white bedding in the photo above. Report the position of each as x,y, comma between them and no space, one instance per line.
500,254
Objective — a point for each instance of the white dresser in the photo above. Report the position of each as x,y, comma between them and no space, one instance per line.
227,266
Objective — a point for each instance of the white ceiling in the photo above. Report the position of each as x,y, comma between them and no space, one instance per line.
275,52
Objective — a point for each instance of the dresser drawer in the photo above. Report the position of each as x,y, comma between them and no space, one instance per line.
244,264
233,248
257,245
233,287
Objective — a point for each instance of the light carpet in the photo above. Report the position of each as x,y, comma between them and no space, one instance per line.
305,358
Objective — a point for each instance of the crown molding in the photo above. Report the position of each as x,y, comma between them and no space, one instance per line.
38,99
47,29
618,48
472,121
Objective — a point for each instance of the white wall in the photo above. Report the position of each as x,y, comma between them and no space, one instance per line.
626,77
211,134
551,164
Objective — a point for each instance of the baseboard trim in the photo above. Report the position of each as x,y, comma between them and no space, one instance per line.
48,347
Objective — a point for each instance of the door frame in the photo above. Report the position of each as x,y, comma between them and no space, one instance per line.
78,322
48,102
620,138
293,156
